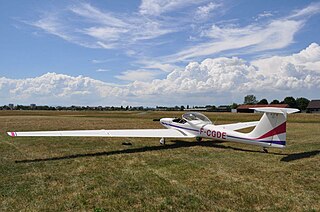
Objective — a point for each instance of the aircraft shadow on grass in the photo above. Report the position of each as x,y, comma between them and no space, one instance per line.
301,155
175,144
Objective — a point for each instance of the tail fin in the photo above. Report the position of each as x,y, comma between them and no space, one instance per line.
271,128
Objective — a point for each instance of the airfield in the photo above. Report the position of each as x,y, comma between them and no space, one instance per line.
101,174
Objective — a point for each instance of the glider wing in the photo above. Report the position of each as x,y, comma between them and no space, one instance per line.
142,133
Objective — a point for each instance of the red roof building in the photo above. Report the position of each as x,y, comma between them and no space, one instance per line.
313,106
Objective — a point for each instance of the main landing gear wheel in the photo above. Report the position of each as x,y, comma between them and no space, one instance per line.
198,139
265,150
162,141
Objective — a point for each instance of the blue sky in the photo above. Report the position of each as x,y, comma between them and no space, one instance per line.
154,52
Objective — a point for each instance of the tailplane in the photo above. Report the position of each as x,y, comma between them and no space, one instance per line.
271,128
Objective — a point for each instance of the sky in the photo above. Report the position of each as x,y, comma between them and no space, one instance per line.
158,52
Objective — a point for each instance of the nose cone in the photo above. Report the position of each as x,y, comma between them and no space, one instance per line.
165,121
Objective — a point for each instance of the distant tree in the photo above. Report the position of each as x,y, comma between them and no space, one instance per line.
6,107
250,100
302,103
187,106
290,101
182,108
234,106
263,102
275,101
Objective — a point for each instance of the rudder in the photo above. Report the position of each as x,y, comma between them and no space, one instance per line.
271,128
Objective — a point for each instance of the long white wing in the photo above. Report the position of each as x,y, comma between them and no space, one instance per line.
239,126
142,133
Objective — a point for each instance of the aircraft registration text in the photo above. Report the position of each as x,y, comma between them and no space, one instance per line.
213,133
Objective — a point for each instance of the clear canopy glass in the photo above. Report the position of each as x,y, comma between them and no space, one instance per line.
194,116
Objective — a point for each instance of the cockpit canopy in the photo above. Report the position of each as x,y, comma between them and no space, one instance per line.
194,116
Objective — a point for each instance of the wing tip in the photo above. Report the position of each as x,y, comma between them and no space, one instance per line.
12,134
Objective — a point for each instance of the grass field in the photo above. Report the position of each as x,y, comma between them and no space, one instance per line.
100,174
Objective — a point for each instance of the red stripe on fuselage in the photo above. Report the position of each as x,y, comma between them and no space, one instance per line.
13,134
278,130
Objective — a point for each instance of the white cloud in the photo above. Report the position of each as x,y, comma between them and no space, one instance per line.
213,81
305,61
310,10
255,37
52,24
137,75
99,61
275,35
105,33
157,7
203,12
90,27
265,14
52,88
102,70
93,14
152,64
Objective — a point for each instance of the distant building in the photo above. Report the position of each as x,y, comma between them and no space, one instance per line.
313,106
196,109
246,108
224,108
32,106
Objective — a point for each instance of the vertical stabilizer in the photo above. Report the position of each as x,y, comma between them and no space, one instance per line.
272,126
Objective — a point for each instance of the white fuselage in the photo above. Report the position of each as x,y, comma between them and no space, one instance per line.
211,131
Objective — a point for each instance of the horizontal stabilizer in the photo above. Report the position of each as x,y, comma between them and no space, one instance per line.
275,110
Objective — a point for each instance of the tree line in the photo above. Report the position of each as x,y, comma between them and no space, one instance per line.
299,103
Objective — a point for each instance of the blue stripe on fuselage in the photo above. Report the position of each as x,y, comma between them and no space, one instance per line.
248,139
171,125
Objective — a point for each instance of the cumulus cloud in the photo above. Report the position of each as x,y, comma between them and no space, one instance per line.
301,70
307,59
213,81
52,88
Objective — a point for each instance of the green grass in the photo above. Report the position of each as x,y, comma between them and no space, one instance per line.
100,174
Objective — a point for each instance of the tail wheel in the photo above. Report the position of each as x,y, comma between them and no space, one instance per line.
198,139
